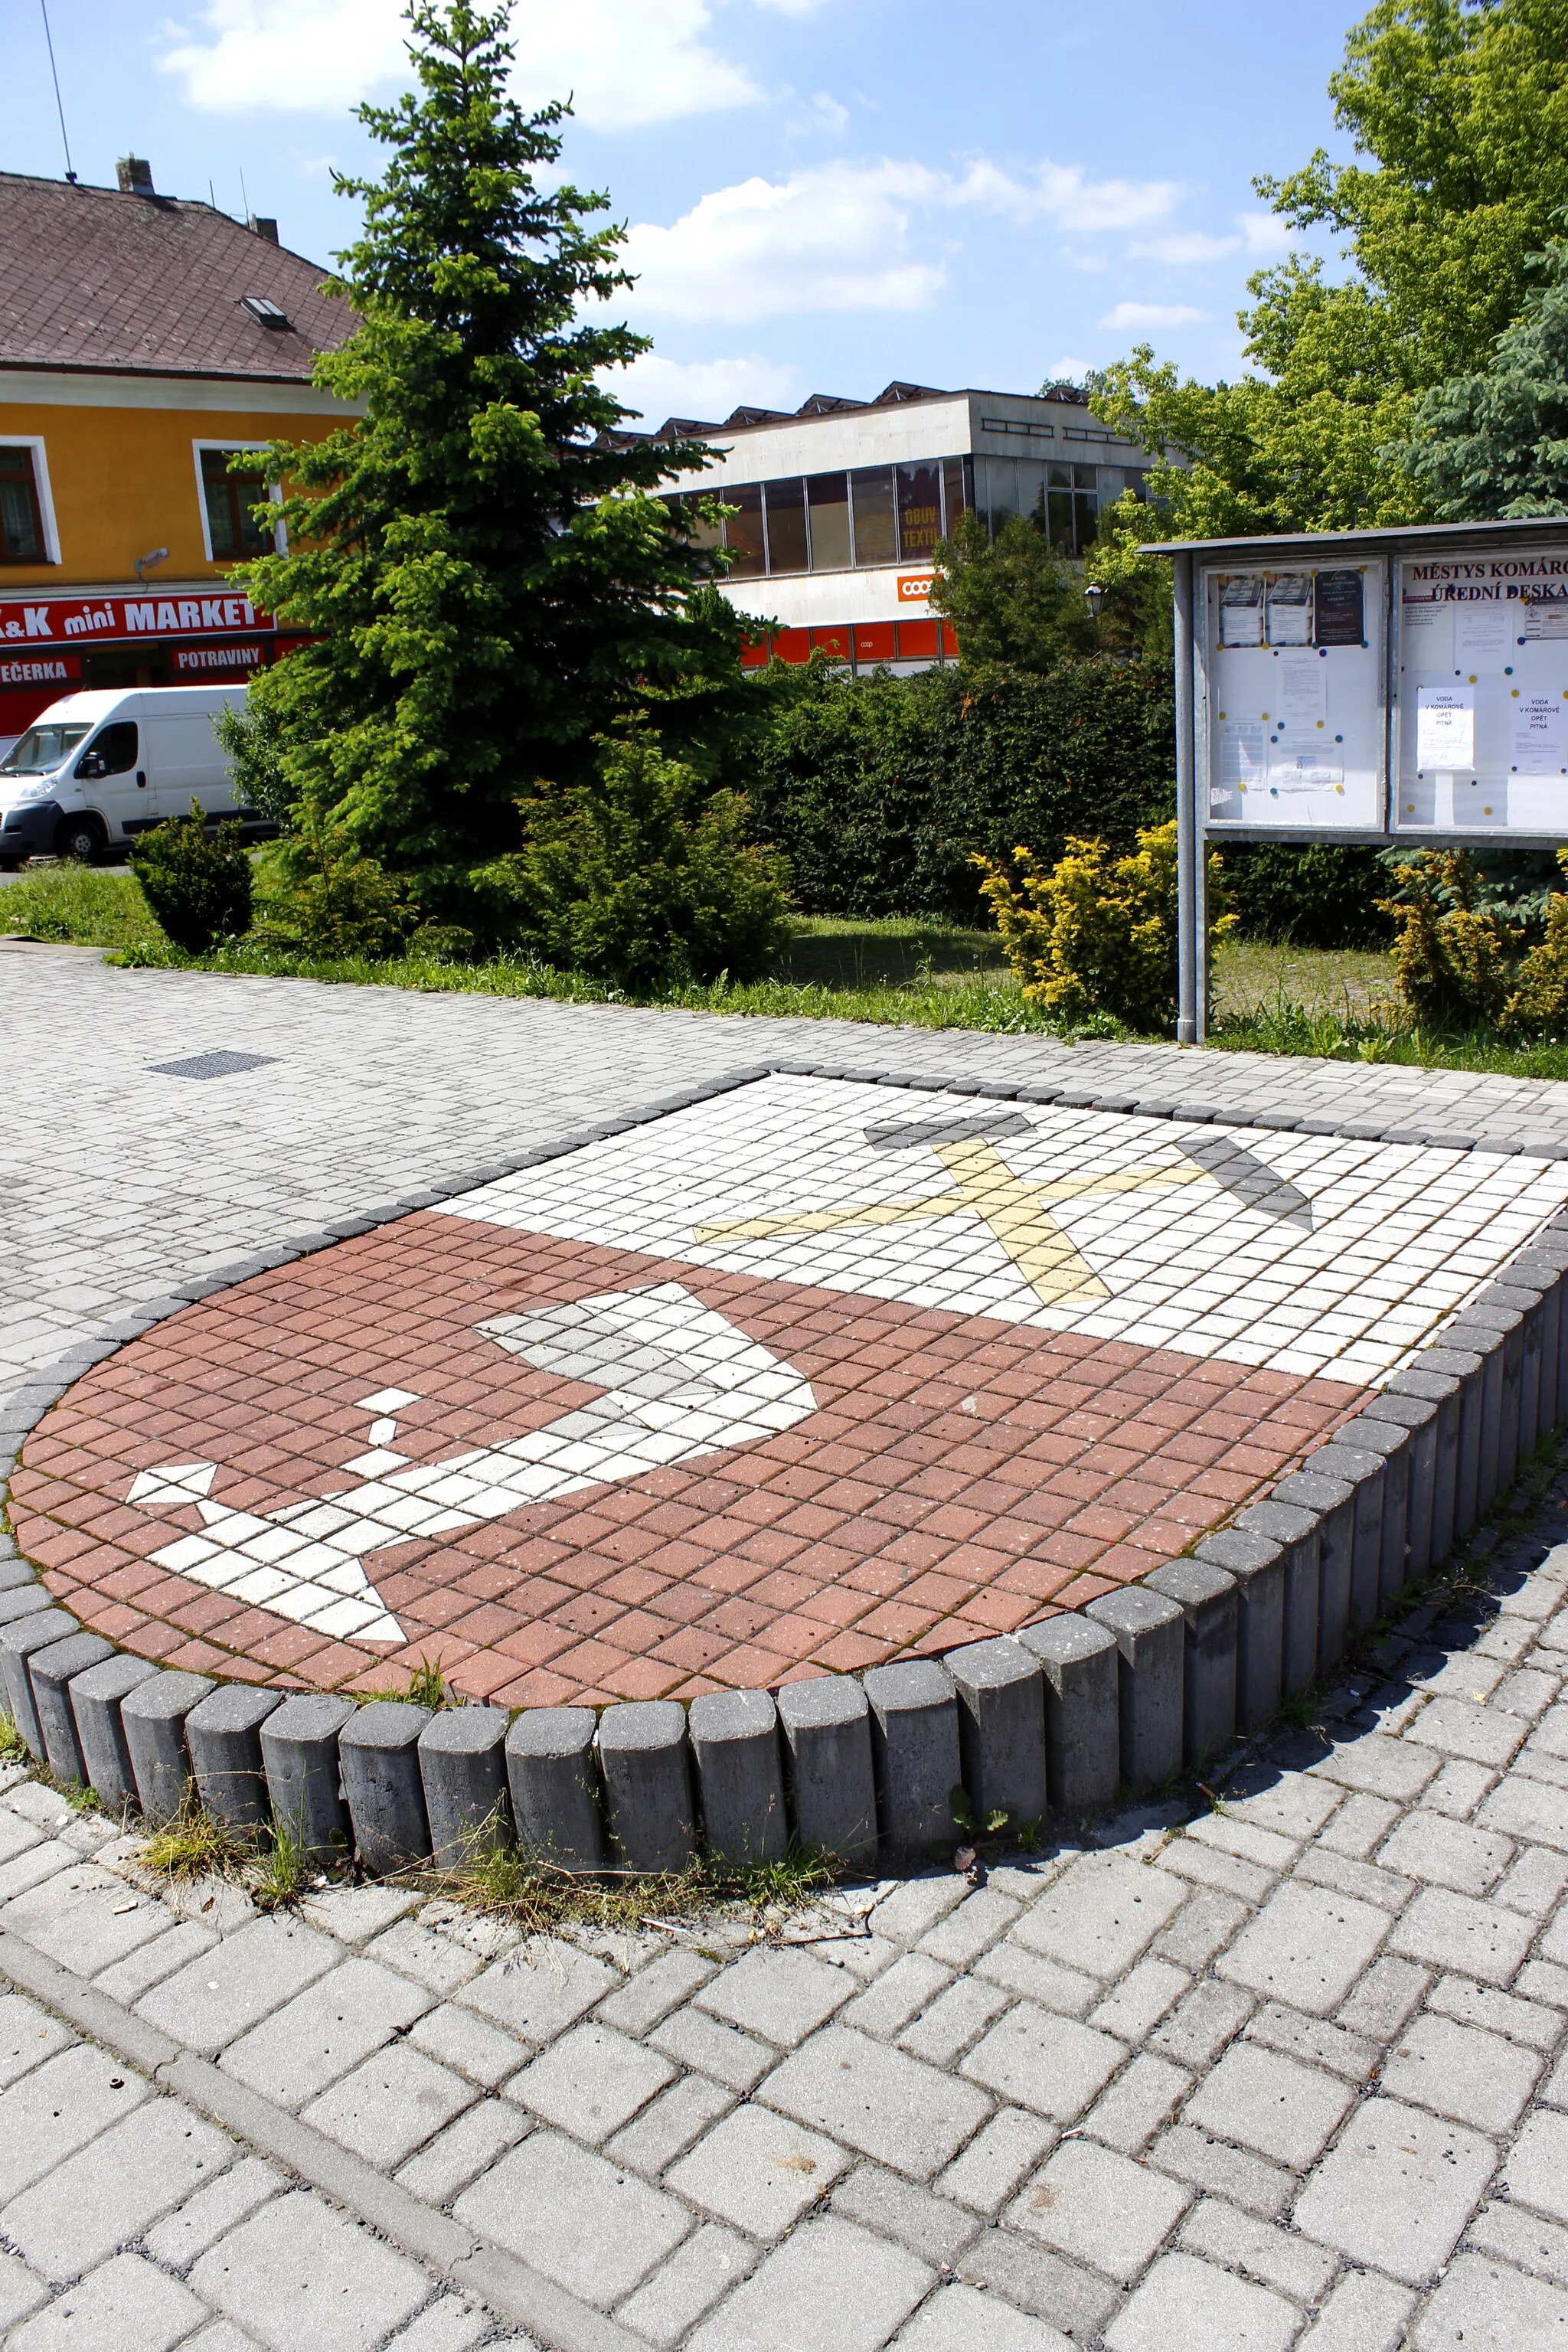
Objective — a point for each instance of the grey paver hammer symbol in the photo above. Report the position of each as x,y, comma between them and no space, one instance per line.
1018,1212
678,1380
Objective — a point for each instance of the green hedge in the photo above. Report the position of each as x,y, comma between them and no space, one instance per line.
1308,895
880,787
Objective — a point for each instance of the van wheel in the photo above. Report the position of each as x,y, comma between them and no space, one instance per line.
79,837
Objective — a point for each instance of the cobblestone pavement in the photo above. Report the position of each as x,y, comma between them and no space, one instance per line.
1288,2073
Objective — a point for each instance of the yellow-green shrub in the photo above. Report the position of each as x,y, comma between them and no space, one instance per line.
1097,931
1539,1005
1453,959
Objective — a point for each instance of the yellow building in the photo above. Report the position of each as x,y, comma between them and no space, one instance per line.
143,341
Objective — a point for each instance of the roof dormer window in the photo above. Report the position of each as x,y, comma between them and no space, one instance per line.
266,313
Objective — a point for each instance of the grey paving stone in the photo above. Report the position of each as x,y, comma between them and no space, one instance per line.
693,2039
1487,2308
1455,1931
450,2325
1426,1846
302,2278
1065,2294
1533,1884
1202,2024
58,2108
667,2127
1222,2171
1045,1982
1050,2063
1205,1924
1095,2206
759,2171
914,1907
996,2160
1270,2103
1134,2007
389,2106
1294,1804
1140,2103
1321,1866
1379,2005
1390,1768
1476,2078
1397,2190
1543,1981
1239,2242
900,1992
1518,2236
1484,1735
654,1991
877,2100
591,2082
778,1996
957,2018
216,1999
1525,1808
1536,2172
956,2318
459,2040
465,2150
1100,1915
596,2230
1306,1947
434,1960
106,2195
126,1980
128,2305
969,1930
323,2032
1186,2305
1314,2042
932,2227
86,1918
1496,2012
355,1914
28,2035
538,1992
20,2292
202,2219
1365,2313
708,2265
830,2288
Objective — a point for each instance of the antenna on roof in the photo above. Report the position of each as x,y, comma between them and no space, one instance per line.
243,199
54,71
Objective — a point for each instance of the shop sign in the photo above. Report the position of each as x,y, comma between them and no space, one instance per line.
40,669
98,620
212,661
914,587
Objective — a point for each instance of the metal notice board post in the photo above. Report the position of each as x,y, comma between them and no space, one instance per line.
1402,687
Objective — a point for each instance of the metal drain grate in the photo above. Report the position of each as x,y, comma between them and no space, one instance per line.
212,1065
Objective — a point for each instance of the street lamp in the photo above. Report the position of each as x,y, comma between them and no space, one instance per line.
1096,596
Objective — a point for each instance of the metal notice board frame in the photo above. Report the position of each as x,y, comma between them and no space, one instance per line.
1399,686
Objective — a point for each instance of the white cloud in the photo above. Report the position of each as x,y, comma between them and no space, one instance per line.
660,387
1134,315
623,62
1267,234
1186,247
1068,370
1066,195
836,237
791,8
821,114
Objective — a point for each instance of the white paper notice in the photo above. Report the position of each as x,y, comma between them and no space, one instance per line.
1484,636
1303,689
1538,739
1243,747
1446,727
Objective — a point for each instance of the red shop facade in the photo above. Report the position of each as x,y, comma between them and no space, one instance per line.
54,646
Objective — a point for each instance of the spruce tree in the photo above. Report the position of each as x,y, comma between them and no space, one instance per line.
490,572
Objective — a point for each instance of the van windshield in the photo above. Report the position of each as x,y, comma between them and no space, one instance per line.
43,748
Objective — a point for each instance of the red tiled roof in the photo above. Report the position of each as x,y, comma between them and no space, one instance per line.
93,279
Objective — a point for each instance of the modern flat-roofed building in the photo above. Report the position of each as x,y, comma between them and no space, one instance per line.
144,339
839,507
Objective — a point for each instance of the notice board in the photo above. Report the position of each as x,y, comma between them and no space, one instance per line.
1294,711
1480,711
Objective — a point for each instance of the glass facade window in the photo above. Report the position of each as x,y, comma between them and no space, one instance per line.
827,496
786,525
703,534
957,491
1072,507
228,499
743,531
875,539
21,525
919,493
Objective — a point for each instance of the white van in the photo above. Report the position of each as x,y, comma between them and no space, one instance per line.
96,769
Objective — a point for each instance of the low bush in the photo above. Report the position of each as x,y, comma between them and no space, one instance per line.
197,879
644,878
1097,932
1308,895
323,899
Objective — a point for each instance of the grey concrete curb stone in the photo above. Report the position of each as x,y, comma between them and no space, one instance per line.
550,1769
378,1759
154,1717
1051,1718
462,1761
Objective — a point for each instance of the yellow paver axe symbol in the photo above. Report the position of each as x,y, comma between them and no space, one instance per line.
1016,1213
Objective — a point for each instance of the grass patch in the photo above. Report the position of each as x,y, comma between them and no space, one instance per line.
13,1749
194,1844
84,906
539,1897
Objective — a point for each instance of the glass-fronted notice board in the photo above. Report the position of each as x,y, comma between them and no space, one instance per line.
1481,712
1295,717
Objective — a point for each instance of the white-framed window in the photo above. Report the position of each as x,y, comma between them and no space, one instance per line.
229,530
27,533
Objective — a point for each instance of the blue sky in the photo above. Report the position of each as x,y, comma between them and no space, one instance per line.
823,195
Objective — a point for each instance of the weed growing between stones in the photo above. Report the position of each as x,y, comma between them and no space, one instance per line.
268,1861
13,1749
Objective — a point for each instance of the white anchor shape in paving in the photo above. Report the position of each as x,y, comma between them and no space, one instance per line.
678,1380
